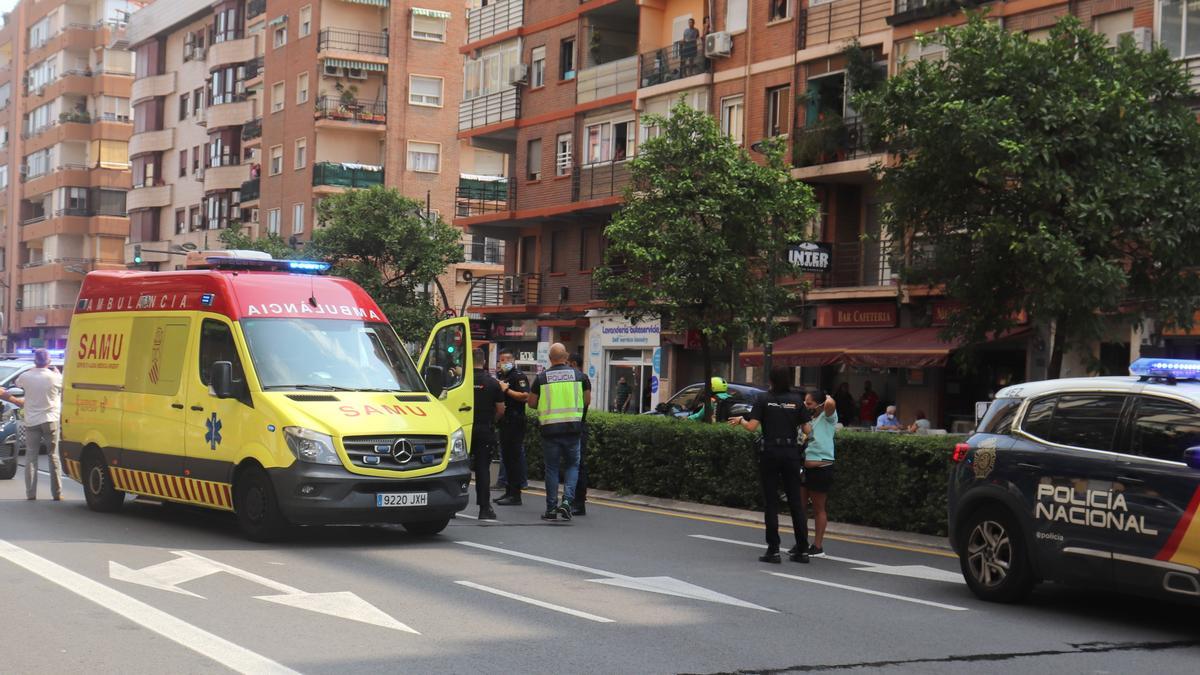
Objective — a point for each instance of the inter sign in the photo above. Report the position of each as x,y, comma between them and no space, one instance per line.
811,256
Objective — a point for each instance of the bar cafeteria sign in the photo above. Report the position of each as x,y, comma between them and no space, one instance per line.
811,256
866,315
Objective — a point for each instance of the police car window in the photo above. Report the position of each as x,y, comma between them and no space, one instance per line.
216,344
999,417
685,399
1079,420
1163,429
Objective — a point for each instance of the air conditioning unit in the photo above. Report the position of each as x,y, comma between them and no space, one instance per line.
356,73
718,44
466,276
332,71
510,284
198,53
1143,38
518,74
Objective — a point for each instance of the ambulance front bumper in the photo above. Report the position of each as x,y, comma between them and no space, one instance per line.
315,494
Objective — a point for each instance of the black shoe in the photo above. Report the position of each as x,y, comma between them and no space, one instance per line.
564,510
798,557
487,514
770,556
816,551
550,515
508,500
580,510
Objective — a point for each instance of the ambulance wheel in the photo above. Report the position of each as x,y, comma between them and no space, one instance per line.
9,471
426,528
98,487
994,556
256,506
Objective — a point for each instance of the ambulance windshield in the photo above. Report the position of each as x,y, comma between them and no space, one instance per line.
328,355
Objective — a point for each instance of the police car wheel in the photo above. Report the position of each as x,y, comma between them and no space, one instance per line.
994,560
256,507
426,528
98,488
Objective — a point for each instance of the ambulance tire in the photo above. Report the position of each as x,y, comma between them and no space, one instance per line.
98,488
257,507
426,528
8,472
994,556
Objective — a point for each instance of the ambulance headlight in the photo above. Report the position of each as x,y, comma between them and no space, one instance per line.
458,446
310,446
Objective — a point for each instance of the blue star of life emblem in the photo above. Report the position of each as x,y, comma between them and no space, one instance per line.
213,437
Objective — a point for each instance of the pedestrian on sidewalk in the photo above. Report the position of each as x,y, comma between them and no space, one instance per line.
781,414
42,402
515,386
560,394
818,465
579,506
489,408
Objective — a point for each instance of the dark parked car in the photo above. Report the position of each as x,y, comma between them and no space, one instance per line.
11,434
687,400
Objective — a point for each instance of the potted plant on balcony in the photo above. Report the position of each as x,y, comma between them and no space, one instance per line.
822,141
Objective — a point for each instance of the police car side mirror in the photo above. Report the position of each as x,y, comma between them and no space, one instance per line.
435,380
739,409
221,377
1192,457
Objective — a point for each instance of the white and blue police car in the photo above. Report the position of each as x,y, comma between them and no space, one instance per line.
1091,480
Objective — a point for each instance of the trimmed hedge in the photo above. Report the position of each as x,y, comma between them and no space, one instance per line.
892,481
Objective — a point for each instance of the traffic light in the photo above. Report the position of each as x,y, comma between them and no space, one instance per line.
137,254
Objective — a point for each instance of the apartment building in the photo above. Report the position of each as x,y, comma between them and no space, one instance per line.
65,124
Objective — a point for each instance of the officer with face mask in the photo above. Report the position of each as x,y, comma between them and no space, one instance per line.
515,385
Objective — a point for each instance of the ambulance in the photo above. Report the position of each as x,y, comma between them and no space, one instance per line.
265,388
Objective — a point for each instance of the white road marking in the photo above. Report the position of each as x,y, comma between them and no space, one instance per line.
220,650
868,591
911,571
660,585
535,602
463,515
343,604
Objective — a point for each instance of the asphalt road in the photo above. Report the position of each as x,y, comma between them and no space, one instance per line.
623,590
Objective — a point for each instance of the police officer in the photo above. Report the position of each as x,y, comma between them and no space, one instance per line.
489,407
560,394
579,506
515,386
781,415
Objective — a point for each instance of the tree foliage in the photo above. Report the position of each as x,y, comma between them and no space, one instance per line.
384,242
1055,178
702,229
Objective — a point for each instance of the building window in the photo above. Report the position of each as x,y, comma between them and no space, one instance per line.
301,155
39,33
610,141
735,15
562,155
298,218
280,38
183,163
566,59
733,112
114,108
488,72
533,159
197,101
276,166
194,221
278,92
302,88
428,25
423,90
780,10
1111,26
180,221
273,221
424,157
777,110
227,85
305,21
538,57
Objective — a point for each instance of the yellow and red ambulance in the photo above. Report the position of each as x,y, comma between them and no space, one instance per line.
264,388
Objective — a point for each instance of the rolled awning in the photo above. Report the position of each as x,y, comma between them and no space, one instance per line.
431,13
866,347
362,65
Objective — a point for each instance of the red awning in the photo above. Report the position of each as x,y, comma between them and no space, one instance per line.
868,347
902,348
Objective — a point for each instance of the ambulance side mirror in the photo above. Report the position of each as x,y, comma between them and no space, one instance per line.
1192,457
221,377
435,379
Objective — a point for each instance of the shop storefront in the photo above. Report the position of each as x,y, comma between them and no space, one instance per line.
625,363
519,336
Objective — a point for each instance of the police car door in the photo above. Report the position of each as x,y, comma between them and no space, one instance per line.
1063,457
1155,536
449,348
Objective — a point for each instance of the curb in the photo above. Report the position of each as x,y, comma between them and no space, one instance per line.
756,518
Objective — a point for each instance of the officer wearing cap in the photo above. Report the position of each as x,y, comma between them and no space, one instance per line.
719,404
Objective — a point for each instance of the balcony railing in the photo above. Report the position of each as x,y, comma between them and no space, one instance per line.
254,68
860,264
356,41
609,79
477,198
498,17
908,11
507,290
489,109
249,190
252,129
354,110
488,251
255,8
674,62
347,175
833,140
599,180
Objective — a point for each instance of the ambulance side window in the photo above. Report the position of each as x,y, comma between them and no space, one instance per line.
216,344
447,352
1163,429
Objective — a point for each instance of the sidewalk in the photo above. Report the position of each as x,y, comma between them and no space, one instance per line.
756,517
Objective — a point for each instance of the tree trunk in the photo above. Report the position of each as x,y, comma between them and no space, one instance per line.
1057,349
706,351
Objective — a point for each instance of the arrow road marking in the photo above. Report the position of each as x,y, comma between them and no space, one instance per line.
868,591
188,566
660,585
232,656
534,602
911,571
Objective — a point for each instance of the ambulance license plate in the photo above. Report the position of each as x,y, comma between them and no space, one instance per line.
402,499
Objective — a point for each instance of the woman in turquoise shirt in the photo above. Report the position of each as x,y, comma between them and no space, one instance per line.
818,465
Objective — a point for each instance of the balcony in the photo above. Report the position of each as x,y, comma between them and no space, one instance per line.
353,41
496,18
483,111
233,113
507,290
860,264
255,8
151,141
252,130
477,198
607,80
599,180
150,197
345,175
254,70
677,61
833,140
145,88
231,51
352,111
250,190
909,11
226,177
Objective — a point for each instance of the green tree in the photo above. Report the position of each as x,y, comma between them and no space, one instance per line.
383,241
1055,178
701,241
236,237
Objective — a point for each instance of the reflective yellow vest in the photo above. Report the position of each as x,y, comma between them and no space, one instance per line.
560,401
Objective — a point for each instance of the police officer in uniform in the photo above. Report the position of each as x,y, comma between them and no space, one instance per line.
489,407
515,386
579,506
559,394
782,416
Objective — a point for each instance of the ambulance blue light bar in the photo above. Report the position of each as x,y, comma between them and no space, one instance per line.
268,265
310,266
1178,369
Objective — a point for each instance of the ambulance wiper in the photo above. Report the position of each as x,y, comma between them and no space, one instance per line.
310,387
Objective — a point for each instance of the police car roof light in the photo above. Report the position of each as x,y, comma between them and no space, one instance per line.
1168,369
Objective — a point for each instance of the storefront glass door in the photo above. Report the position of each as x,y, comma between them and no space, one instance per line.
628,377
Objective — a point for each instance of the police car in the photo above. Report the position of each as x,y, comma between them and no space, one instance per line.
1090,480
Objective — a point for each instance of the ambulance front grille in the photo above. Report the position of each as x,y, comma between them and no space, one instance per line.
376,452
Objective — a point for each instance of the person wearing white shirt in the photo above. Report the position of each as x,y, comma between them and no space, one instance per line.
42,402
